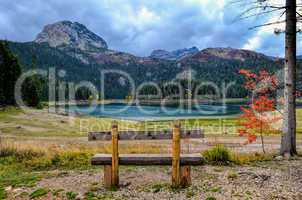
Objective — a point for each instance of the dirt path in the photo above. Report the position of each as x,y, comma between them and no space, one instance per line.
267,180
234,143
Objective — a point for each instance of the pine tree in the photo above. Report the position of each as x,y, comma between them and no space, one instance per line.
10,71
32,88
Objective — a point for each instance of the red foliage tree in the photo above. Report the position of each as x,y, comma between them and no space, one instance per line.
257,118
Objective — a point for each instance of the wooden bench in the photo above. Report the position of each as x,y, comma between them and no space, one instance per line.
181,170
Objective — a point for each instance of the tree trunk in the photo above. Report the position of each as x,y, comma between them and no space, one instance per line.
261,136
288,141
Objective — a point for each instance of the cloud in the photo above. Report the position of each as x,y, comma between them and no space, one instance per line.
253,43
139,26
264,38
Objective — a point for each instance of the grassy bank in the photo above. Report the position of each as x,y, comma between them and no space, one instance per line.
41,123
25,167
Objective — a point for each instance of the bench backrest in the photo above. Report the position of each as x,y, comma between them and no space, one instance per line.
144,135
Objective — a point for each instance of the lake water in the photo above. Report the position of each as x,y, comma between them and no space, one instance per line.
134,112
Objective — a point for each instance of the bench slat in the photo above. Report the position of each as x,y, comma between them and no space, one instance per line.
147,159
144,135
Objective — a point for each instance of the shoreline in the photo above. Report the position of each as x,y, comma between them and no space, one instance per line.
155,102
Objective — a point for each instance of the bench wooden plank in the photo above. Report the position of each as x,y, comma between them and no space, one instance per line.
144,135
147,159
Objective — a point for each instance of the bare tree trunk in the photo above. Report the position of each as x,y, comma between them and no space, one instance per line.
262,143
288,141
261,136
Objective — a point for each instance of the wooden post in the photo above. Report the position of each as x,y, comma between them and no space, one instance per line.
115,157
176,155
107,176
185,176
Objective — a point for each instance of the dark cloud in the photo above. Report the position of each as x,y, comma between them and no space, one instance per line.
137,26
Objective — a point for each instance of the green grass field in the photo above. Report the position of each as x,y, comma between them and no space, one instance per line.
38,145
41,123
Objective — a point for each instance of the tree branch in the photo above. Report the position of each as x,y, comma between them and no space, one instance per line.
267,24
258,14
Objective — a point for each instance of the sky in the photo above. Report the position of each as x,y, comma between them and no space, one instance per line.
140,26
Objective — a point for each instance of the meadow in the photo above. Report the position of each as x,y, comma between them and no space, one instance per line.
46,155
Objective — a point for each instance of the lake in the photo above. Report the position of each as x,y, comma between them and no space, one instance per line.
145,112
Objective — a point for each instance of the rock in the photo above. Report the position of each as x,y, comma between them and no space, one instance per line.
125,184
174,55
71,35
78,41
182,53
279,158
287,156
18,190
161,54
9,188
80,197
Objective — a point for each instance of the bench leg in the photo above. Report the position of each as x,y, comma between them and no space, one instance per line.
115,156
176,156
185,176
108,176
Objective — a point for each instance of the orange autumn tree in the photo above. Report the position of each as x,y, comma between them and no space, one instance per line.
257,117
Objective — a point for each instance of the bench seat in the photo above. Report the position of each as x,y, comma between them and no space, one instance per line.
147,159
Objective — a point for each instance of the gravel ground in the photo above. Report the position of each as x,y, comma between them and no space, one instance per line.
266,180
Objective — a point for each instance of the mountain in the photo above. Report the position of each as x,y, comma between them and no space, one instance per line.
69,35
82,54
227,54
174,55
77,41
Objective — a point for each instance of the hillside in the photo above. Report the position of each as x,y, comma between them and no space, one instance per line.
82,54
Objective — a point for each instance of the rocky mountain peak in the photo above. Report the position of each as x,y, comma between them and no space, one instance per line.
160,54
174,55
71,35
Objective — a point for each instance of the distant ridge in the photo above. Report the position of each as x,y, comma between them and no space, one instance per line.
72,47
174,55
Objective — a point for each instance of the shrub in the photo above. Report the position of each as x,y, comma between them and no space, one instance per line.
38,160
65,159
71,159
40,106
41,163
71,195
19,154
246,158
218,155
7,151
